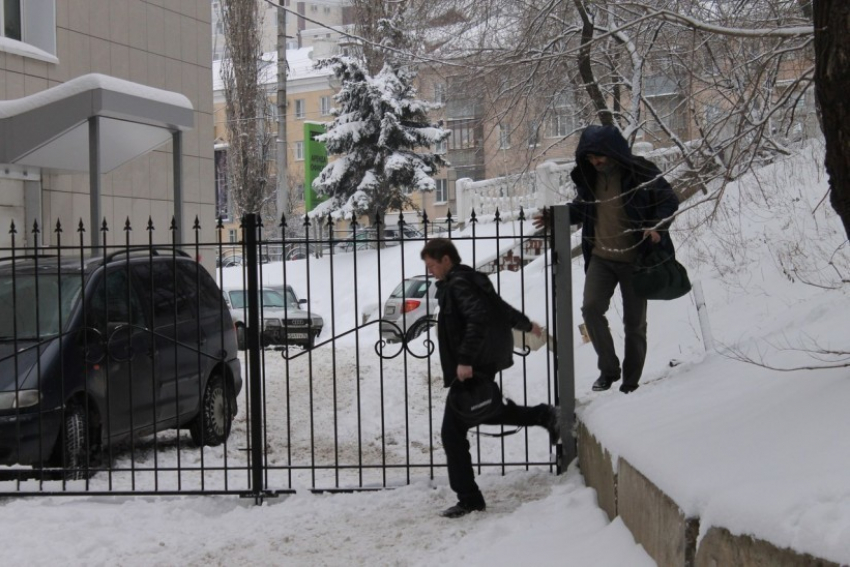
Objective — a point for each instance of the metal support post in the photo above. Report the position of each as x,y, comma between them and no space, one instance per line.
177,157
564,360
255,385
94,181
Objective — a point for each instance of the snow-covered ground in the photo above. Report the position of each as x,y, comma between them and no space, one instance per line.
747,435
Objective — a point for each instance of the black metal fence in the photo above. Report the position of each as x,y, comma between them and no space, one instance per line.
125,370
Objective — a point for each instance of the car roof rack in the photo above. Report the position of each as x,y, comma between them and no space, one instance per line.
28,257
141,250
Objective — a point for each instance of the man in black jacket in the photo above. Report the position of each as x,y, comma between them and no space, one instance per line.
476,342
625,208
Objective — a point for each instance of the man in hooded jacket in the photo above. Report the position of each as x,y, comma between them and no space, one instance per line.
625,208
476,342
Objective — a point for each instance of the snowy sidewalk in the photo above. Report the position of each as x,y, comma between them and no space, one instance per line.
533,518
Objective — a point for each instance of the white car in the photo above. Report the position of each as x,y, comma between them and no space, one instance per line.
284,320
410,309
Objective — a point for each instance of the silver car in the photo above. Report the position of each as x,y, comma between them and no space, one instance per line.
285,322
410,309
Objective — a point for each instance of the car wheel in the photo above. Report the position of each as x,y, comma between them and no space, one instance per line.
311,342
240,337
212,424
73,444
418,328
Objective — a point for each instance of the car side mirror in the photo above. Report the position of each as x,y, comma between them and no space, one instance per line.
302,302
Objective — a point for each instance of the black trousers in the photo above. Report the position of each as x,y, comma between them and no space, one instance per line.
602,278
454,434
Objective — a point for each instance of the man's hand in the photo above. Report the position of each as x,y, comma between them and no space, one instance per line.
464,371
652,235
541,219
536,330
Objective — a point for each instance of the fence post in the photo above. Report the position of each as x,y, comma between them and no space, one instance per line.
562,287
250,226
462,198
546,184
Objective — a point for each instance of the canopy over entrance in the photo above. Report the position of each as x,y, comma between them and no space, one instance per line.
94,123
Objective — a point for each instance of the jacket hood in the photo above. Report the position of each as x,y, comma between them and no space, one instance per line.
603,141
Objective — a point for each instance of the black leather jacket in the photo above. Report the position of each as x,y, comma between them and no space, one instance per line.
474,324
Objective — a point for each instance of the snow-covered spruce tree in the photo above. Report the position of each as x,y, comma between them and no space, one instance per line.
381,135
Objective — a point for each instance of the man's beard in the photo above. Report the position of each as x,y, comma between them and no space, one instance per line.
606,167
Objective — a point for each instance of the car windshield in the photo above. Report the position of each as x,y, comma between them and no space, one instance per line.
33,307
269,298
411,289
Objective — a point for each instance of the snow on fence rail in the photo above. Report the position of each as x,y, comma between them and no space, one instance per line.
547,185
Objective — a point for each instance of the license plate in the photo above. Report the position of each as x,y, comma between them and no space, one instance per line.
296,336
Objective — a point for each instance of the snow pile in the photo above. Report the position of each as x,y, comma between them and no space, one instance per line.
757,450
749,437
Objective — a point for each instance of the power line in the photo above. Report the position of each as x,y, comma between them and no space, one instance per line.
364,40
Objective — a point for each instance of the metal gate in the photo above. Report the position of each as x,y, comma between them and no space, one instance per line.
330,392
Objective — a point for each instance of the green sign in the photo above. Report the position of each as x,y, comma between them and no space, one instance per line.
315,160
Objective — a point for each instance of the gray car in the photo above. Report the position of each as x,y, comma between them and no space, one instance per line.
410,309
285,322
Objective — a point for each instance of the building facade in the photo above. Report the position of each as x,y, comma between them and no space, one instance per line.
160,45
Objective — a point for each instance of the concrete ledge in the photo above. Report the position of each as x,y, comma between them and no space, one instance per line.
719,547
656,522
598,471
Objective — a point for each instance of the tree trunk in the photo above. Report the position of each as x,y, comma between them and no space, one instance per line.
585,67
832,84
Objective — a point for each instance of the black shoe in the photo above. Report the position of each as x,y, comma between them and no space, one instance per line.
552,424
628,388
461,509
604,382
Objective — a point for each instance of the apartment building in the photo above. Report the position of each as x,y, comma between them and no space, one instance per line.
309,99
308,24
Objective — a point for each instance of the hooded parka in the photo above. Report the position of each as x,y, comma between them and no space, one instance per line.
647,197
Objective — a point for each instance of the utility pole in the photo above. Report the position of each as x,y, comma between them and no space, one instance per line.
282,186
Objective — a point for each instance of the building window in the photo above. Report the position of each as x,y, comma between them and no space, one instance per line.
504,136
327,10
300,108
561,122
299,151
314,8
231,235
32,23
11,19
440,93
463,134
559,125
672,112
441,193
222,193
325,105
441,147
533,133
